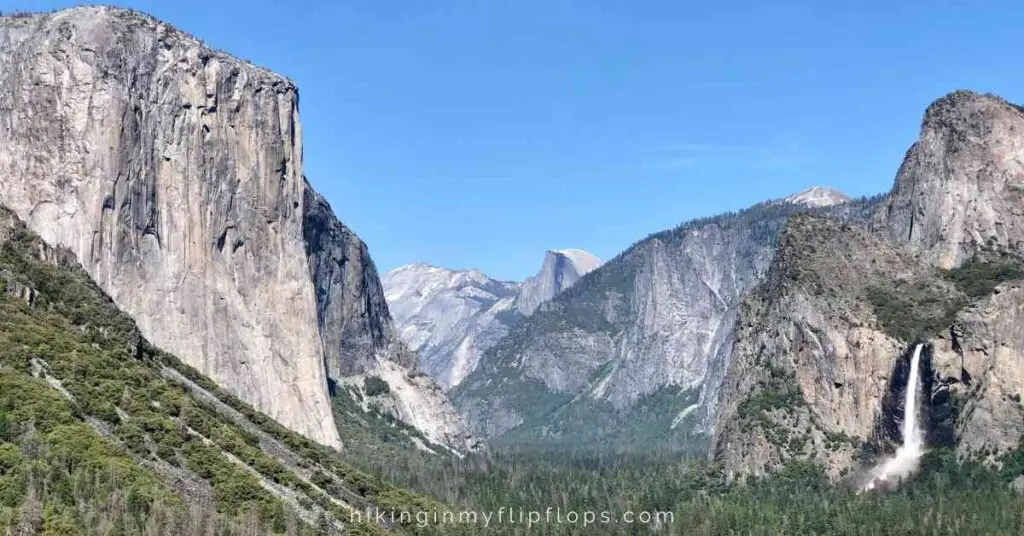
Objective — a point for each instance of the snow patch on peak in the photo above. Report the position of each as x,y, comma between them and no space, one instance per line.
818,196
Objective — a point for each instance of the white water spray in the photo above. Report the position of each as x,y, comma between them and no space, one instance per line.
909,454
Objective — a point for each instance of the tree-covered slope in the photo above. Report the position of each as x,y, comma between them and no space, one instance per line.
102,433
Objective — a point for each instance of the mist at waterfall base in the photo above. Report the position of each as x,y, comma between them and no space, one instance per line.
908,456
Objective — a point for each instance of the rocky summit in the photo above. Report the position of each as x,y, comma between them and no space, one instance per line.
819,196
174,173
960,189
558,272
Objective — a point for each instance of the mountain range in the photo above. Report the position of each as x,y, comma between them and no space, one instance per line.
187,320
451,317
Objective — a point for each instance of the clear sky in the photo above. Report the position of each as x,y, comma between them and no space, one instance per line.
481,133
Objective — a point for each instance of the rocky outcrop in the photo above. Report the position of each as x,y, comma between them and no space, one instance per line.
449,317
813,365
417,400
961,186
979,362
174,173
560,270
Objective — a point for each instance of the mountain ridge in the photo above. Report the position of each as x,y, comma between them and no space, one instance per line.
647,323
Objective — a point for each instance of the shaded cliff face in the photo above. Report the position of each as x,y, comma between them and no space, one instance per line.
656,320
353,315
449,317
961,186
359,337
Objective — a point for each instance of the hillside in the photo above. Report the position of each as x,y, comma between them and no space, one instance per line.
100,429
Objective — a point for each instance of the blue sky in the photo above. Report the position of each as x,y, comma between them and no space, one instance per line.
481,133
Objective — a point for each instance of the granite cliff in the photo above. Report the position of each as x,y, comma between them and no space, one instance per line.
174,173
960,189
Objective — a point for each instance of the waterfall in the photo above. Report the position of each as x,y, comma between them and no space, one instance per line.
912,435
909,453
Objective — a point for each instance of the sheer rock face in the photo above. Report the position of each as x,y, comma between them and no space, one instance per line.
175,174
981,358
961,186
359,337
354,320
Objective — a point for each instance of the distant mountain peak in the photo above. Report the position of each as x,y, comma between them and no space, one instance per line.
583,260
560,270
818,196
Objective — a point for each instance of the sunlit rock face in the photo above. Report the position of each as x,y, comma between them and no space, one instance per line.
961,186
450,317
174,173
